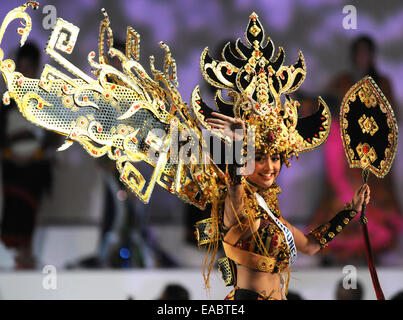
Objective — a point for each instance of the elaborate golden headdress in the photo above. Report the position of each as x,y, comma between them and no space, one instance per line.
133,117
256,82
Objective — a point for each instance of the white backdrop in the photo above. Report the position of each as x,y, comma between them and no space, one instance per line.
313,284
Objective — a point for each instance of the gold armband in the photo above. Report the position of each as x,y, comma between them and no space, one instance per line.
327,232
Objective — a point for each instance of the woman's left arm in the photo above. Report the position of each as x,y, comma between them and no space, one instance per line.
311,243
304,243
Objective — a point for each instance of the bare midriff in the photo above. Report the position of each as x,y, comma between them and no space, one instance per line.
264,283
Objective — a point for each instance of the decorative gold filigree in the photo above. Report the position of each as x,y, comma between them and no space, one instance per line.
366,154
256,80
115,113
368,125
370,96
367,97
264,264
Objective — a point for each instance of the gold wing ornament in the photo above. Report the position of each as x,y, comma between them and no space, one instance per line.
127,115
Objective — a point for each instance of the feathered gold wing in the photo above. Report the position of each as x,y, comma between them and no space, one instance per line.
126,115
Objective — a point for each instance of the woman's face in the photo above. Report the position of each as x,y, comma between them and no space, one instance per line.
267,168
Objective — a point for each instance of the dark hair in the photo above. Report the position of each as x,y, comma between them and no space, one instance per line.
175,292
30,51
397,296
119,44
349,294
369,42
365,39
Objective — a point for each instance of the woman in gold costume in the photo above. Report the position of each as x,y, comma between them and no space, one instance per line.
259,250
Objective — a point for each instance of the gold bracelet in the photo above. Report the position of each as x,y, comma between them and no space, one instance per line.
349,206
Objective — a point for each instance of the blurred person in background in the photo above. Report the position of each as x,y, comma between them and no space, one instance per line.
293,295
174,291
125,239
343,293
384,214
26,165
397,296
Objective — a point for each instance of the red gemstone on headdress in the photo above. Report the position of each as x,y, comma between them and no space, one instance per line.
365,149
270,137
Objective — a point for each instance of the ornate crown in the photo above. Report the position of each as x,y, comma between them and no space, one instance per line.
255,82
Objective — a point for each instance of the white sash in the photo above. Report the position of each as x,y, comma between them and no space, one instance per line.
287,233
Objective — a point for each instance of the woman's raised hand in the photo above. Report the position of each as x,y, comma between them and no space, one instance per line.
231,127
361,196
